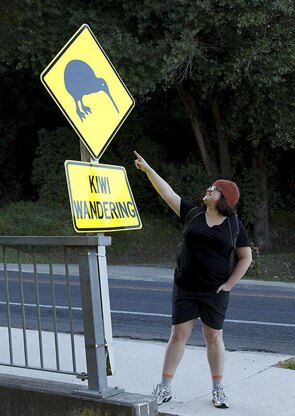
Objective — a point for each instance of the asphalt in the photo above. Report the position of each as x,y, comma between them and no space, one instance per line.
253,384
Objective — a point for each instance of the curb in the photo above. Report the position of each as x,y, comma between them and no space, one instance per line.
34,397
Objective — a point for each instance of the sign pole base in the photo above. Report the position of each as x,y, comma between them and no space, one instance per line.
100,394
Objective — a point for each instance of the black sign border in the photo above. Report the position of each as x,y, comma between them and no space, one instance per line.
112,167
58,56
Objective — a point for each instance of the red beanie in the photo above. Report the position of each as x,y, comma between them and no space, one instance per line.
229,190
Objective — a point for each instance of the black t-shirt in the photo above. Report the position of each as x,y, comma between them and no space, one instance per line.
208,251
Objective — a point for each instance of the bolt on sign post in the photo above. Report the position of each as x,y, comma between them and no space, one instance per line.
88,90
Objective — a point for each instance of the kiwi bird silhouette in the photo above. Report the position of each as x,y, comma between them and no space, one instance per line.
80,80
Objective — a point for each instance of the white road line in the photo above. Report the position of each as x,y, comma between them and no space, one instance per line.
33,305
227,320
259,323
160,315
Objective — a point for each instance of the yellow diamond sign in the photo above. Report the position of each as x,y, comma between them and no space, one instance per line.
88,90
101,198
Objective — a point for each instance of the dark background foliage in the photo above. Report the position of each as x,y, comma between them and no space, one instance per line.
212,73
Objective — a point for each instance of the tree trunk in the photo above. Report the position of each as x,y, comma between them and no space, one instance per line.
191,109
261,225
225,166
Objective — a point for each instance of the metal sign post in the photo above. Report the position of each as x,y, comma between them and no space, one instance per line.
88,90
92,294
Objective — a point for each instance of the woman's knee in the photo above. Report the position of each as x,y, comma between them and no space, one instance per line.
212,336
180,333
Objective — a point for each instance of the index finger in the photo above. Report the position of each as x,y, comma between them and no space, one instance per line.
137,154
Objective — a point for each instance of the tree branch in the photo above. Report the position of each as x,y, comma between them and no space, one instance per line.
191,109
225,165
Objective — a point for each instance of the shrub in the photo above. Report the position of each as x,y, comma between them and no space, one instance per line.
48,168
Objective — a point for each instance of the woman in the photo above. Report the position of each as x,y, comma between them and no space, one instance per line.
204,290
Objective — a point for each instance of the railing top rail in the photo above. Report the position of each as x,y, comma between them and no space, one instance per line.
72,241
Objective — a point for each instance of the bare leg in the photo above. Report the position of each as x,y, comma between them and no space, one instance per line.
176,345
174,352
216,355
215,351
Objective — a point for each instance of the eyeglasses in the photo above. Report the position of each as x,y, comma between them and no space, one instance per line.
212,188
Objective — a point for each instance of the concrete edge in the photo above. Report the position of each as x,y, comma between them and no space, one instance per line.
41,392
167,274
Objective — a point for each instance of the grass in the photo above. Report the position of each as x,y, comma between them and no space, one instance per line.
34,219
273,266
155,244
29,218
288,364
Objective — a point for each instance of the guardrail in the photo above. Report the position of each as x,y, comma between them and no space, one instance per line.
89,252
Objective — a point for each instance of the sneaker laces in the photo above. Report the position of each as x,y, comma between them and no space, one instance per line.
160,390
220,393
157,389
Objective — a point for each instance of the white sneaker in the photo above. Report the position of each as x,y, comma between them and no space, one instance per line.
163,394
219,398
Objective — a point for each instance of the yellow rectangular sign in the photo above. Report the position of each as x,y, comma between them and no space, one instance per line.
101,198
88,90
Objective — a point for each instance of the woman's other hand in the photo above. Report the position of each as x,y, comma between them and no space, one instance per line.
226,287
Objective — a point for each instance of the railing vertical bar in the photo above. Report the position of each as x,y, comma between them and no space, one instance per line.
8,306
38,309
53,309
22,301
94,332
70,311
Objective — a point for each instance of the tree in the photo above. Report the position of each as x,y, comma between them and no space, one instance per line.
236,62
230,63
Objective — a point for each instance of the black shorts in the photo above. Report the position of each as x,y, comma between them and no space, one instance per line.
209,306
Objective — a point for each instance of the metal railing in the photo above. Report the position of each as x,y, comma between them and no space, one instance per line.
88,253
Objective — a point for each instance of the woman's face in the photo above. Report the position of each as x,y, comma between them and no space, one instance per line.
212,196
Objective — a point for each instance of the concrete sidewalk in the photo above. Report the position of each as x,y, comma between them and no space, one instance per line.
253,385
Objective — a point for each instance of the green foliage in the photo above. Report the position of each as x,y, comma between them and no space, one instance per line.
272,266
242,53
280,218
148,245
289,364
133,135
145,246
249,196
48,172
28,218
9,185
188,180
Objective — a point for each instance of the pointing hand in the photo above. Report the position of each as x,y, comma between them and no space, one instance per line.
140,163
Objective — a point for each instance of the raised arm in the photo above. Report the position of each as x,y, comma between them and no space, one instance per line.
161,186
